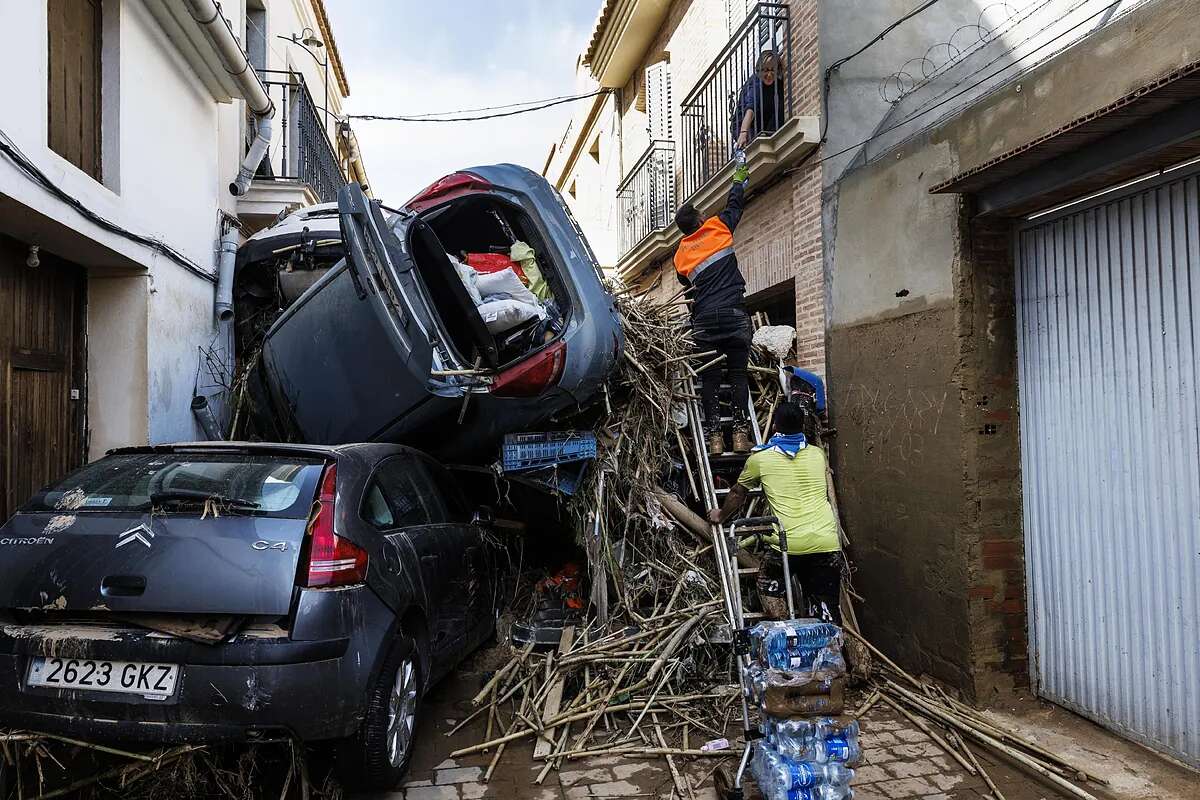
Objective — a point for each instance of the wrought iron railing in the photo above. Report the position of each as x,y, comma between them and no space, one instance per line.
300,149
646,198
716,109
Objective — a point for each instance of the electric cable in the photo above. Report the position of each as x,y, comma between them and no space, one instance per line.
419,118
21,161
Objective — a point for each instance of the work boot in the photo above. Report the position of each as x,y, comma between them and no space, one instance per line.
742,443
716,443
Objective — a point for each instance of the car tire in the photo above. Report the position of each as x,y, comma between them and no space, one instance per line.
377,757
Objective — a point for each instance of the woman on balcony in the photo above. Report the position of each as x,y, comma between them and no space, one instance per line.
762,104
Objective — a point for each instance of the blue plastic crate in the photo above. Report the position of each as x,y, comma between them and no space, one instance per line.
563,479
526,451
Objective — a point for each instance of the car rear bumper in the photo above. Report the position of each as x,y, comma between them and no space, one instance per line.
250,688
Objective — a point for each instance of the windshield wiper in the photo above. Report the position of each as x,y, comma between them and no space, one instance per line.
200,496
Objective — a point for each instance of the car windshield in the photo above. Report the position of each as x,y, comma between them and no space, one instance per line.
277,486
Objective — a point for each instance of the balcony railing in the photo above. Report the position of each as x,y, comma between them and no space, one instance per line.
716,108
300,149
646,198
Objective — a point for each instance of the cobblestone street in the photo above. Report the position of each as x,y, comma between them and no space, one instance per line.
899,762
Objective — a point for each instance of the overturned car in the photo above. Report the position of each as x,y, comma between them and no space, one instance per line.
476,310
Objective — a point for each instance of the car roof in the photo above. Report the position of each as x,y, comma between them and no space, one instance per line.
364,449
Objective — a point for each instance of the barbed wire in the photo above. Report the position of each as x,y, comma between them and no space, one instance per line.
963,43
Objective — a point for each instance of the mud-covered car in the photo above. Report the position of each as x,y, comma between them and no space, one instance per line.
476,310
228,591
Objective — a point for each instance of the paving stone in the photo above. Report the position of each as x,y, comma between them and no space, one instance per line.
431,793
911,769
457,775
610,789
908,787
911,735
882,739
872,792
870,774
918,750
946,781
599,775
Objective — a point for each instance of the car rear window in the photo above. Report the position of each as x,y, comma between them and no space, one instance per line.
257,484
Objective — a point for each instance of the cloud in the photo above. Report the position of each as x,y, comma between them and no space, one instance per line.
444,57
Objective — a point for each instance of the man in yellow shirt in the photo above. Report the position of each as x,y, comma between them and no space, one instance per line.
792,473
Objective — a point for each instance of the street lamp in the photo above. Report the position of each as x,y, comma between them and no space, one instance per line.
305,40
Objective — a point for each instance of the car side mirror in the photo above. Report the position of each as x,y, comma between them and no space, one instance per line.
483,516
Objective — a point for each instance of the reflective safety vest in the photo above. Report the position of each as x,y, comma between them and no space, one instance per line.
707,245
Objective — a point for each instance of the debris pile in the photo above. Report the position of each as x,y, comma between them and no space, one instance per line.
35,766
651,672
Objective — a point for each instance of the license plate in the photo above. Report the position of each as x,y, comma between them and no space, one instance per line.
126,677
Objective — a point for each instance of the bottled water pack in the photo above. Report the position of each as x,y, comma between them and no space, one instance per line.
821,740
781,777
801,645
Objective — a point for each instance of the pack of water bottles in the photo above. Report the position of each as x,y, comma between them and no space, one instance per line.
799,645
806,759
805,753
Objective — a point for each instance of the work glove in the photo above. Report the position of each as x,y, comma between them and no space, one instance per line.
741,173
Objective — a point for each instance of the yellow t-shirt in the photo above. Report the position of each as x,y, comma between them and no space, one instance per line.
795,489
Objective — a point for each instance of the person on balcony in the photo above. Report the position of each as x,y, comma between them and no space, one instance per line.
707,266
761,106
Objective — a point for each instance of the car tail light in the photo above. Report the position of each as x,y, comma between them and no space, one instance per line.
328,559
533,375
447,188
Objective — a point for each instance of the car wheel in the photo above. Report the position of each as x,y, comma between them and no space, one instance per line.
377,757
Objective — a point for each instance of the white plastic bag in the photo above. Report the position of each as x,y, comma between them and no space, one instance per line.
775,339
503,315
504,282
469,278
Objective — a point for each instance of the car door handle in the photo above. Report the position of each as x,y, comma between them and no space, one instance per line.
123,585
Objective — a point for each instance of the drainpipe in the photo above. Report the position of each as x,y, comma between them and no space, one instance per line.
208,16
204,416
224,300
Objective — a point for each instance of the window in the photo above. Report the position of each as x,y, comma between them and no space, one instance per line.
594,151
658,101
74,83
273,486
256,34
412,498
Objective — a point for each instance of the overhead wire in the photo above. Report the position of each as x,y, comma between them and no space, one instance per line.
22,162
548,103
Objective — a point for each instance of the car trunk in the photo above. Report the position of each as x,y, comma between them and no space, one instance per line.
231,565
465,227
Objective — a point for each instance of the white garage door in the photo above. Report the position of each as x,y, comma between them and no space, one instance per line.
1108,313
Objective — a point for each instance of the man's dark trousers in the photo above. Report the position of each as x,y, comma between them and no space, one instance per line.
726,330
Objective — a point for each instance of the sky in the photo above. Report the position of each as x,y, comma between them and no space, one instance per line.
406,57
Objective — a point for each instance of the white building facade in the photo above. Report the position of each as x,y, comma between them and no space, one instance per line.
122,132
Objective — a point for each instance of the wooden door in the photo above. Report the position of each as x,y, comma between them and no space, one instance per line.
41,366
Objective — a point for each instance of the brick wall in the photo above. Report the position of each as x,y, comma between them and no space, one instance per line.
779,239
993,524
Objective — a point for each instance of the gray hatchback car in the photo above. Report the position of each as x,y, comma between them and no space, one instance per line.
236,591
388,342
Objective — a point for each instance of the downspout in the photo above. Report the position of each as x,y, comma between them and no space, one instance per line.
228,255
208,16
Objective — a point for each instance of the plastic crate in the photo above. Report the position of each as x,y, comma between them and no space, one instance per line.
526,451
562,479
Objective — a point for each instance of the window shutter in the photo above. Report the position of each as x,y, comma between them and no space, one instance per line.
658,101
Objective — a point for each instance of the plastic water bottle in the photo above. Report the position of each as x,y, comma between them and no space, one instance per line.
835,748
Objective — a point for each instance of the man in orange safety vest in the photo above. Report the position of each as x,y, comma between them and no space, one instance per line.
707,266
